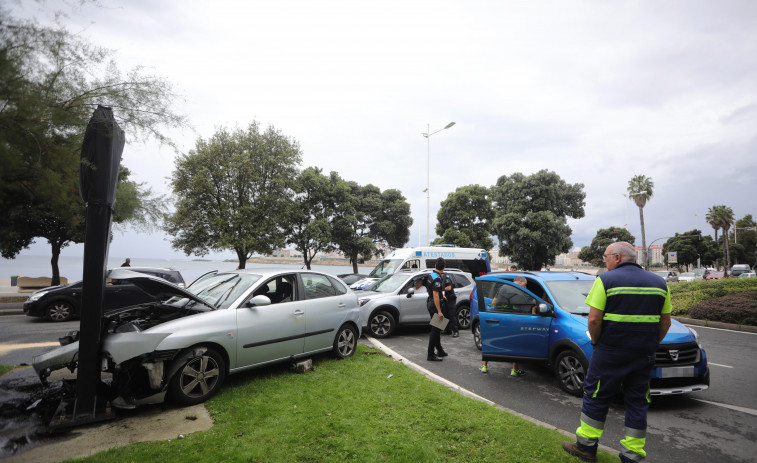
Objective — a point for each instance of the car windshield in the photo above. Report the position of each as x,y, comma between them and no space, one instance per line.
699,271
571,295
662,273
688,275
389,283
222,289
385,267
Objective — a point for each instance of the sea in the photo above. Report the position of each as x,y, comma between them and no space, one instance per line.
71,267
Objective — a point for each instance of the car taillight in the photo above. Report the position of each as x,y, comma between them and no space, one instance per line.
470,298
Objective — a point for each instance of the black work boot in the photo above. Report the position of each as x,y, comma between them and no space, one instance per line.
580,451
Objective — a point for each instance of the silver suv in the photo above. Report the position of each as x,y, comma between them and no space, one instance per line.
392,301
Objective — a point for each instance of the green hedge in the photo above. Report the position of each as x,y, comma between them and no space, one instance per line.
687,294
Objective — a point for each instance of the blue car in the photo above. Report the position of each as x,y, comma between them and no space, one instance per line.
548,322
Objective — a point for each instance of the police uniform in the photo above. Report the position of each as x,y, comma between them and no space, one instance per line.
435,283
632,300
449,304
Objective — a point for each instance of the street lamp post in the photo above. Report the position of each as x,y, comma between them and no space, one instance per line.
428,134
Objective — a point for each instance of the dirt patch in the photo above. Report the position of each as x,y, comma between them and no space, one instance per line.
26,408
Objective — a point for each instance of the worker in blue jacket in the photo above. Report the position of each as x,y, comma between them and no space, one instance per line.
629,315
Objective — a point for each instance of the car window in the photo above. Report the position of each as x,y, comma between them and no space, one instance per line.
317,286
279,289
385,267
389,283
571,295
511,299
338,286
460,280
222,289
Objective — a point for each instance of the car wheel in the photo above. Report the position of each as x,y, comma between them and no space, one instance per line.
477,334
570,369
345,342
59,311
199,377
463,317
381,324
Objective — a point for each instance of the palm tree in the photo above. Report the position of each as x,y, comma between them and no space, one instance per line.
640,189
712,219
725,219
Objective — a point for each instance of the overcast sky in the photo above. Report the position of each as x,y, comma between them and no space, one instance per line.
595,91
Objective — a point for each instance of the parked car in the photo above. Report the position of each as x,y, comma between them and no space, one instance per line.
557,333
748,275
715,275
701,273
350,278
184,346
688,276
63,303
738,269
392,301
668,275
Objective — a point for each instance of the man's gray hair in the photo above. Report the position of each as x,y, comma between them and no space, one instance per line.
520,278
626,251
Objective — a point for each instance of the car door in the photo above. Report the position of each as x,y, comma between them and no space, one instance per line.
508,326
271,332
327,303
413,308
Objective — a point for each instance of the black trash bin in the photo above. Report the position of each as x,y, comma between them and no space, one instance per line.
14,280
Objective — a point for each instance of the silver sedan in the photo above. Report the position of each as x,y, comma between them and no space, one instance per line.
185,343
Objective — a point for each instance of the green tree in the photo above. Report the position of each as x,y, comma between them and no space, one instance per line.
604,237
690,247
316,197
641,189
367,217
466,217
531,216
50,82
746,240
234,192
723,217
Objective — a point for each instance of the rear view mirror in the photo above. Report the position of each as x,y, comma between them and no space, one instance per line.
544,308
258,301
410,292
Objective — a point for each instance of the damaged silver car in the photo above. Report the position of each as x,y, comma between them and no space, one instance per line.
182,345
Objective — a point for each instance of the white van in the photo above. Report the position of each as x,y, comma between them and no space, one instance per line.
470,260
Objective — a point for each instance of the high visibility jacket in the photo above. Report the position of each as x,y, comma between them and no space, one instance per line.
632,300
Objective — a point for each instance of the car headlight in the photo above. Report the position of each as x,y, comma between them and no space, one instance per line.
696,338
36,296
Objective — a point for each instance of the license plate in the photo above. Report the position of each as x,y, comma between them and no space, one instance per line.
677,372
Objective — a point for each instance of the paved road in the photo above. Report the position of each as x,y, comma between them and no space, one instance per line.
717,425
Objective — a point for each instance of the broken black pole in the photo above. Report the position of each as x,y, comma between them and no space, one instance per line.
100,160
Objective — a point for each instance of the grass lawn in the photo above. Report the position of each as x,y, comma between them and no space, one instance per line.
352,410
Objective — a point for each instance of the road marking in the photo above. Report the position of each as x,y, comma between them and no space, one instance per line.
719,365
721,329
5,348
731,407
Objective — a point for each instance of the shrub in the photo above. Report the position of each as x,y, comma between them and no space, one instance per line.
740,309
688,294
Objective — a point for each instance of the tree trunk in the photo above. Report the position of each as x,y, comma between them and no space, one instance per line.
353,259
727,250
307,260
643,238
54,263
241,257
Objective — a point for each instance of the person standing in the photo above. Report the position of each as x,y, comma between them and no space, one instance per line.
127,263
435,306
500,298
628,317
449,306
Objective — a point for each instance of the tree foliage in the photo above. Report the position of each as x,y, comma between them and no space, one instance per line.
604,237
531,216
691,247
465,218
234,191
721,218
50,82
640,189
316,199
368,217
744,250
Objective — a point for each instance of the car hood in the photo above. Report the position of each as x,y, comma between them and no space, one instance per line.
371,295
678,332
156,287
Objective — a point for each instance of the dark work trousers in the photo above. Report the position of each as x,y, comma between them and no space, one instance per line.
609,369
449,312
435,338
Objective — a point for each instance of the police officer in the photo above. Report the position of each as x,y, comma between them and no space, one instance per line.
435,306
629,315
449,306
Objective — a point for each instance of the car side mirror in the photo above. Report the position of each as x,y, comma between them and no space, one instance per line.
544,308
410,292
258,301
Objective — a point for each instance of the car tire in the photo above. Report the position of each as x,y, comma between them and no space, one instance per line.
381,324
59,311
463,317
345,342
477,334
198,378
570,369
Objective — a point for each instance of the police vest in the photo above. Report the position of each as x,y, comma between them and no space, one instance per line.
635,299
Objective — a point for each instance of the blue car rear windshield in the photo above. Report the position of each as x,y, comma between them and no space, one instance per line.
570,295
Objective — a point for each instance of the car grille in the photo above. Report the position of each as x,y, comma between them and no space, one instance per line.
676,355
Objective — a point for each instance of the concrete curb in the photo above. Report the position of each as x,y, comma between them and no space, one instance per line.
720,325
445,382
